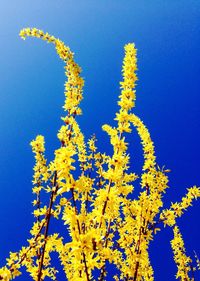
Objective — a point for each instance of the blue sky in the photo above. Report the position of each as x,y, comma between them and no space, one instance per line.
167,36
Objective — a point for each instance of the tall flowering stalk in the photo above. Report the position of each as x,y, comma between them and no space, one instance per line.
105,221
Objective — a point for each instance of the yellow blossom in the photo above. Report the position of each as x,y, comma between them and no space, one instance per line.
110,214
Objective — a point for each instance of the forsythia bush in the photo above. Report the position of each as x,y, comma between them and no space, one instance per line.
93,194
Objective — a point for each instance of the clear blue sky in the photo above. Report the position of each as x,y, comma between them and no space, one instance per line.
167,36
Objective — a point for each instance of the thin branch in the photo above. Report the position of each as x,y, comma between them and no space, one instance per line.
79,230
47,226
86,268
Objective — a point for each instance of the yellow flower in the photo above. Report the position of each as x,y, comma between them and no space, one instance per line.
106,218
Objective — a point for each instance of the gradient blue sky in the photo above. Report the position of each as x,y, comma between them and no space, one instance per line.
167,36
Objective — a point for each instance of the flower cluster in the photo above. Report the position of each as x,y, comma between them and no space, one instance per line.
183,262
92,194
